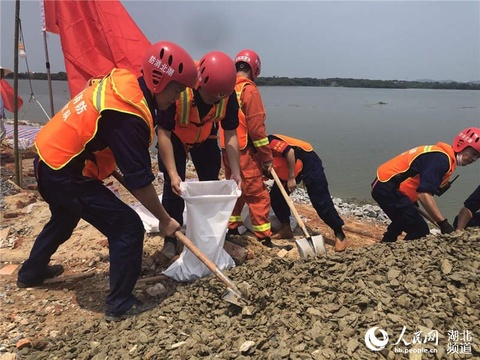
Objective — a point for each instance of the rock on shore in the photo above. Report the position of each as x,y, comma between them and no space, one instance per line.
359,209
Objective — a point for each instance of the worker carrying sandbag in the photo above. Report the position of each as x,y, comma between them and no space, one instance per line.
186,128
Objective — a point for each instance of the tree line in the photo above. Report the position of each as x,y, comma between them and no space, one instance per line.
307,81
365,83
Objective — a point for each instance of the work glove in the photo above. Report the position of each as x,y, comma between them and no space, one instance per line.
445,227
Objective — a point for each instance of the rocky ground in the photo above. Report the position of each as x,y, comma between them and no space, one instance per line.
315,308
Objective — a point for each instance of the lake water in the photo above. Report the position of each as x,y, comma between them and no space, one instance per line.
353,130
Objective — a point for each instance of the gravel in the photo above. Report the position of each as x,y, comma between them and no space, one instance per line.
316,308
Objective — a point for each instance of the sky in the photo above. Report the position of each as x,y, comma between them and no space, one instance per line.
387,40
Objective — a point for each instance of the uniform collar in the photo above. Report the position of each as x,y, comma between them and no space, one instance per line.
152,104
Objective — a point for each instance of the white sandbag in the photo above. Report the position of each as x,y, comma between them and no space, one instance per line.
209,205
275,224
150,222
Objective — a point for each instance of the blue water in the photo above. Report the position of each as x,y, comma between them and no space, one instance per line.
353,130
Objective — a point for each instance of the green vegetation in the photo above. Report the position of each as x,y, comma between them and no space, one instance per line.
365,83
333,82
40,76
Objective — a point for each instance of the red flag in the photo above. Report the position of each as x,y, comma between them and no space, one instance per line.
96,37
7,96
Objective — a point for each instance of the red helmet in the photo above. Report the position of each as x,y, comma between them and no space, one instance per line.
468,137
251,58
165,62
217,74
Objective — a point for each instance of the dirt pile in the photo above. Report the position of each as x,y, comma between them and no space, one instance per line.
305,309
317,308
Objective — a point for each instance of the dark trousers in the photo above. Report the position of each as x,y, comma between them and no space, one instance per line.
315,181
71,201
207,160
402,212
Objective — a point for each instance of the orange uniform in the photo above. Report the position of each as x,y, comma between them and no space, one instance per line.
423,169
254,151
109,123
71,137
401,164
190,127
279,162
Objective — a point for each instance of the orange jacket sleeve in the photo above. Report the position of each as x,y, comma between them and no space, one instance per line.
252,107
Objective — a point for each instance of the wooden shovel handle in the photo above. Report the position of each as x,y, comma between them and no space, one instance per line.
428,217
289,202
205,260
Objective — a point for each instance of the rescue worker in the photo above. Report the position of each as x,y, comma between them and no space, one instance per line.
255,154
416,176
108,124
185,127
294,161
469,214
3,130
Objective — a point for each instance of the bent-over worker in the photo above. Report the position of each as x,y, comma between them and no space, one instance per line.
417,175
106,125
294,161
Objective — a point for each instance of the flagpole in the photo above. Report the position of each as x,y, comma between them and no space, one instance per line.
15,96
47,60
49,77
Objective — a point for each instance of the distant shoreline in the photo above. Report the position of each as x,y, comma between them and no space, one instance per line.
314,82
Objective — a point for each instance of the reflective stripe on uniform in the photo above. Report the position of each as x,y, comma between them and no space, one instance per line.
220,110
261,142
263,227
235,219
99,96
185,106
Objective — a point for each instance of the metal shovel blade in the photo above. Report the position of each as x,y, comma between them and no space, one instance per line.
235,298
308,248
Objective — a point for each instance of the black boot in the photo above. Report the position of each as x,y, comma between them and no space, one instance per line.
269,244
388,238
51,271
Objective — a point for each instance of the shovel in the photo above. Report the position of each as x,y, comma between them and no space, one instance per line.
428,217
310,245
233,295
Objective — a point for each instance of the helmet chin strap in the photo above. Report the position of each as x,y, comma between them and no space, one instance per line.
459,159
